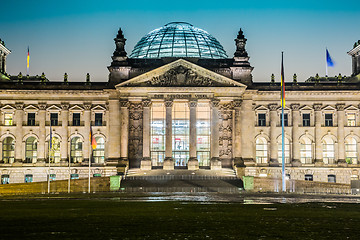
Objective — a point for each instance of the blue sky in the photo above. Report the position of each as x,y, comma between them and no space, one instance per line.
77,36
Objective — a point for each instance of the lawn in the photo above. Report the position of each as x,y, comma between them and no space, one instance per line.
113,218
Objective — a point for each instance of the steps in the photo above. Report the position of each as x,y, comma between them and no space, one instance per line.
201,180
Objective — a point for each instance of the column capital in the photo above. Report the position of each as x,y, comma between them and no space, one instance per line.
192,103
42,105
87,106
124,103
317,106
168,103
273,106
340,106
135,106
237,103
295,106
146,103
215,102
65,106
19,105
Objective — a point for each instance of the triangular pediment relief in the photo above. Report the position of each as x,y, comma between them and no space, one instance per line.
286,108
180,73
261,107
98,108
53,108
351,108
8,107
328,108
31,108
76,108
306,108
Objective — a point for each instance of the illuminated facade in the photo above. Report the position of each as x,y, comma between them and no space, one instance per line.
179,102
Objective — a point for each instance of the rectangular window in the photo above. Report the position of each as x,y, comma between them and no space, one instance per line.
8,119
28,178
203,134
308,177
306,120
74,176
31,119
97,175
76,119
54,117
351,120
5,179
328,120
52,177
331,178
261,119
98,119
157,144
286,121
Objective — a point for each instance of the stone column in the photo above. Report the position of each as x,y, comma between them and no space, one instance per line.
318,145
41,149
168,162
87,122
193,163
146,160
341,134
114,133
273,142
19,113
238,161
124,136
247,117
64,134
295,135
215,163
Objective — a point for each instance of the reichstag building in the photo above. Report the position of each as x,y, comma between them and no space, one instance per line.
179,101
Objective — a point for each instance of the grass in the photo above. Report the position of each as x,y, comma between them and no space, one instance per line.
111,218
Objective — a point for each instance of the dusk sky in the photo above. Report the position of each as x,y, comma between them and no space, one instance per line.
77,36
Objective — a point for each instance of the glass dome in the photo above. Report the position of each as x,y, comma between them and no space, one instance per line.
178,39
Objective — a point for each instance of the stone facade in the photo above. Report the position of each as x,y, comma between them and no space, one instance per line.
179,113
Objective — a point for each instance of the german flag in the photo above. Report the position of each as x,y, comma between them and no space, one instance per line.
92,139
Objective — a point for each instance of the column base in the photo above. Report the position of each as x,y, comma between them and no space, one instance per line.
85,162
193,164
296,163
238,162
64,162
17,163
123,162
145,164
249,162
40,162
215,163
112,161
342,163
318,163
274,163
168,163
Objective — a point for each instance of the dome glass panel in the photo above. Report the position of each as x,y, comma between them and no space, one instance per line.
178,39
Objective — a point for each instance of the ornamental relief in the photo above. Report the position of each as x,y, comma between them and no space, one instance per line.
135,134
225,131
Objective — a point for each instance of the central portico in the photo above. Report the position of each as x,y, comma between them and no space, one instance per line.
179,115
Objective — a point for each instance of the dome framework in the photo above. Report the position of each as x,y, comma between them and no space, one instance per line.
178,39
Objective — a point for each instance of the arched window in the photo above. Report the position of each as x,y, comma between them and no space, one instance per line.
351,150
99,151
261,150
8,150
54,150
305,150
76,155
328,150
30,150
287,150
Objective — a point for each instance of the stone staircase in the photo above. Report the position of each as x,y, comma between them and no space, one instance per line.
179,180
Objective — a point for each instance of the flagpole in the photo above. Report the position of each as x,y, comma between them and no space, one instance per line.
326,65
28,62
90,139
282,122
50,143
69,176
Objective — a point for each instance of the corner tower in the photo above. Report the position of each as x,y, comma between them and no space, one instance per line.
3,54
355,55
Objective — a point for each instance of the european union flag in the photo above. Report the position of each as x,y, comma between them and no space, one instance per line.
329,61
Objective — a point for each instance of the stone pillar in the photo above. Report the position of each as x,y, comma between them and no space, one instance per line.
168,162
87,122
247,117
124,136
273,142
146,160
295,135
215,163
114,132
64,134
318,145
341,134
19,113
41,149
193,163
238,161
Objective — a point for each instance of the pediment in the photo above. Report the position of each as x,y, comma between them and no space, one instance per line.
53,108
351,108
328,108
31,108
306,108
8,107
261,107
180,73
98,108
76,108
